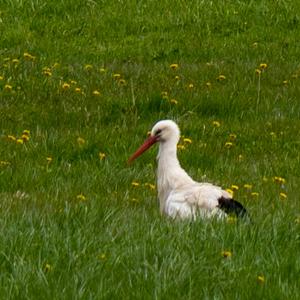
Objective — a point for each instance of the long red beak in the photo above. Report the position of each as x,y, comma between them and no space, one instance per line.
146,145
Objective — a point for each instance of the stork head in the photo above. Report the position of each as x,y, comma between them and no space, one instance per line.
165,131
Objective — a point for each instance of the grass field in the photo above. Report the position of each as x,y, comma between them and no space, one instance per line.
81,83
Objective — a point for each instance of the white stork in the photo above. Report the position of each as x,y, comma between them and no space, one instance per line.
179,195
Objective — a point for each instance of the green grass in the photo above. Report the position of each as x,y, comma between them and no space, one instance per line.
111,242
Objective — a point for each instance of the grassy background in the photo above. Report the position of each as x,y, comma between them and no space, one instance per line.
72,224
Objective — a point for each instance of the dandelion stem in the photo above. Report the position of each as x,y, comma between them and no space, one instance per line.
134,108
132,93
258,92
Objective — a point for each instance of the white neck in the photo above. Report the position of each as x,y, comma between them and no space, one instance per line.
170,175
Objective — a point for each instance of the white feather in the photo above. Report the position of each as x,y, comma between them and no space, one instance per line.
179,195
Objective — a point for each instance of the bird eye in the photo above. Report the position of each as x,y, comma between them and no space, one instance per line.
158,131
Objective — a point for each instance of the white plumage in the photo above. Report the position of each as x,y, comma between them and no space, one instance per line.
179,195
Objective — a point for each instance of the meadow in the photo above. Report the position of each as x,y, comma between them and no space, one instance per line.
81,84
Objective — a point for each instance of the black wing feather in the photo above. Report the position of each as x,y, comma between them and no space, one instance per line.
231,206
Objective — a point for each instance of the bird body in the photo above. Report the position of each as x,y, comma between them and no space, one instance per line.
179,195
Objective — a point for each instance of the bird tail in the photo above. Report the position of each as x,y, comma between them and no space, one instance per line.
231,206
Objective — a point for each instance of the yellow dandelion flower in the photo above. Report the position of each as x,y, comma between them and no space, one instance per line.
174,66
228,145
103,70
150,185
49,159
81,197
231,220
221,77
190,86
187,140
73,82
134,200
164,95
232,137
8,87
208,84
26,132
65,86
248,186
263,66
261,279
285,82
102,155
25,137
1,78
11,138
116,76
257,71
230,191
78,90
174,101
177,77
96,93
28,56
102,256
135,184
4,163
19,141
80,141
180,147
15,61
47,71
47,267
88,67
254,194
279,180
216,123
234,187
254,45
283,196
226,254
122,81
